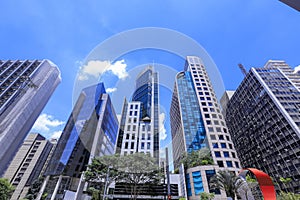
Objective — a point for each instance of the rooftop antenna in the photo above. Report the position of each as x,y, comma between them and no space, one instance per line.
243,69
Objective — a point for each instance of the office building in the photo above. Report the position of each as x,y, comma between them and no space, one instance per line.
25,88
292,3
225,99
91,131
27,165
263,119
196,123
139,126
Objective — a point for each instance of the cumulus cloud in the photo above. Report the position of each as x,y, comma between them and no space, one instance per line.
111,90
162,128
56,135
97,67
297,69
45,121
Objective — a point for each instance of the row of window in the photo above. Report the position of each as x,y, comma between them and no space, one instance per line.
225,153
228,163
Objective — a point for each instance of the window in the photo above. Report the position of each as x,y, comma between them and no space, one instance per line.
213,137
221,137
135,113
128,128
126,145
133,136
127,136
218,130
148,145
131,106
217,154
208,122
220,163
233,155
229,164
230,146
142,145
215,145
226,154
132,145
210,129
227,138
237,165
143,136
149,136
223,145
134,128
136,106
206,115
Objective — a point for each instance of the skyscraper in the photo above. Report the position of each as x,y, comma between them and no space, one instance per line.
196,123
90,132
25,88
27,164
264,122
139,126
292,3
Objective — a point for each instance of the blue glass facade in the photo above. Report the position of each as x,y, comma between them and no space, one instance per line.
73,150
198,184
194,130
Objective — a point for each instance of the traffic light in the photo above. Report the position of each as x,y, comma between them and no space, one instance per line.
169,197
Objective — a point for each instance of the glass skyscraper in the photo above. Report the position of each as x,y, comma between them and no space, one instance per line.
91,131
139,127
196,123
25,88
264,122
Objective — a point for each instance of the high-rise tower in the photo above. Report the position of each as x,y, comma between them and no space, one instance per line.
139,126
28,163
25,88
91,131
196,123
264,122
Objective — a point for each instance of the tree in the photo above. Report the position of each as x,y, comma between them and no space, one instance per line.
207,196
6,189
103,170
288,196
34,188
285,182
227,181
138,169
196,158
132,170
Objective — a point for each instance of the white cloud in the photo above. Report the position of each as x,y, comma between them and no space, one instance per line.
119,69
45,121
162,128
111,90
97,67
297,69
56,135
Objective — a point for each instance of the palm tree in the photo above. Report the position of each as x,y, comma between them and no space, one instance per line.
227,181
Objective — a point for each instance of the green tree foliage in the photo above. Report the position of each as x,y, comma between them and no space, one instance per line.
206,196
288,196
196,158
134,169
227,181
6,189
34,188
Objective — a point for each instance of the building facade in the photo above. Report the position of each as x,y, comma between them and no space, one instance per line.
139,125
28,163
25,88
264,121
91,131
196,123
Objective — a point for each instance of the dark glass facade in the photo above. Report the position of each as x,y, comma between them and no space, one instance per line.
263,119
82,139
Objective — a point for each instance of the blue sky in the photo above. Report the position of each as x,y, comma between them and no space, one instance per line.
231,31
